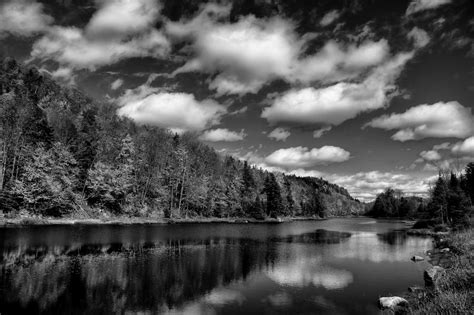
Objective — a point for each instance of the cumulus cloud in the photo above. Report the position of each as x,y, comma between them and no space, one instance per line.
301,157
178,112
120,29
337,103
430,155
279,134
223,134
465,148
117,18
419,37
422,5
23,18
320,132
439,120
116,84
329,18
247,54
366,185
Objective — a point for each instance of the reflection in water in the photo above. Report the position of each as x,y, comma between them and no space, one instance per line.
288,271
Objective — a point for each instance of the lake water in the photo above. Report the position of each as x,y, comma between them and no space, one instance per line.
336,266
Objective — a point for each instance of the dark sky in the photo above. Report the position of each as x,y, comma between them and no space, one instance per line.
367,94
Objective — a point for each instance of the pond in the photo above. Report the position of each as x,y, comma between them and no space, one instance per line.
335,266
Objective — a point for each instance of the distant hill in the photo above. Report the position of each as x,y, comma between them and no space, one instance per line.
64,155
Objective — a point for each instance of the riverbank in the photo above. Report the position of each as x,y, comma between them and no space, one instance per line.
25,221
453,291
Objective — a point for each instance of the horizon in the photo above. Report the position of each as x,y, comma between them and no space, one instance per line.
363,95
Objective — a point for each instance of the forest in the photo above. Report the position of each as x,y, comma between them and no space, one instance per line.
451,200
65,155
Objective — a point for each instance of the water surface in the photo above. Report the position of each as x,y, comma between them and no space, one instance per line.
336,266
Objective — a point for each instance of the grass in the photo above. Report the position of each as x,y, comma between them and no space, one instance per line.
454,293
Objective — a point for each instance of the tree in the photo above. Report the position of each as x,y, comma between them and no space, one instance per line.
468,181
438,205
47,180
273,193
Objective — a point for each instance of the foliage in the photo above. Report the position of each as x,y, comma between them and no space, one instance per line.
59,152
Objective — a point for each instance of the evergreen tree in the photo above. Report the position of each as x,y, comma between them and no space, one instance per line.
438,205
274,200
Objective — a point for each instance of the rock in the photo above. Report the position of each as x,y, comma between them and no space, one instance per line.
432,275
417,258
392,302
444,250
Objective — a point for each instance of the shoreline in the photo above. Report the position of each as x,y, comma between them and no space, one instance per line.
32,221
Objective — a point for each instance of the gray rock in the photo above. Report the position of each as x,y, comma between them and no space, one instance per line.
417,258
444,250
392,302
432,275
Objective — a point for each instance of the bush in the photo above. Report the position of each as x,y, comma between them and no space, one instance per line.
426,223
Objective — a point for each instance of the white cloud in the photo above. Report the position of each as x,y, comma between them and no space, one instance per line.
301,157
116,84
118,30
439,120
246,55
419,37
421,5
222,134
339,102
178,112
329,18
430,155
465,147
23,18
279,134
366,185
320,132
116,18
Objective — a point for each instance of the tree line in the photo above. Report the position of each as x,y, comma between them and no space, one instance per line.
451,200
64,154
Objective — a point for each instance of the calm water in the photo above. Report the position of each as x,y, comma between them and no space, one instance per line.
337,266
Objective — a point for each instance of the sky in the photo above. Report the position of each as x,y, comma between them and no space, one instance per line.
366,94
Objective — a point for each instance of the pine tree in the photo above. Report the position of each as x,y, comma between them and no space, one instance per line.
438,205
274,200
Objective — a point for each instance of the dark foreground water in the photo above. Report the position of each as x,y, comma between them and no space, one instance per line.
337,266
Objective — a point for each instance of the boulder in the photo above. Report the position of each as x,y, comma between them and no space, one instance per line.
444,250
392,302
417,258
432,275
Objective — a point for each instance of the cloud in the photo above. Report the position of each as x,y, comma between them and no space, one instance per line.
430,155
23,18
422,5
245,55
329,18
118,30
439,120
320,132
116,84
117,18
366,185
301,157
222,134
337,103
465,147
419,37
239,111
178,112
279,134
